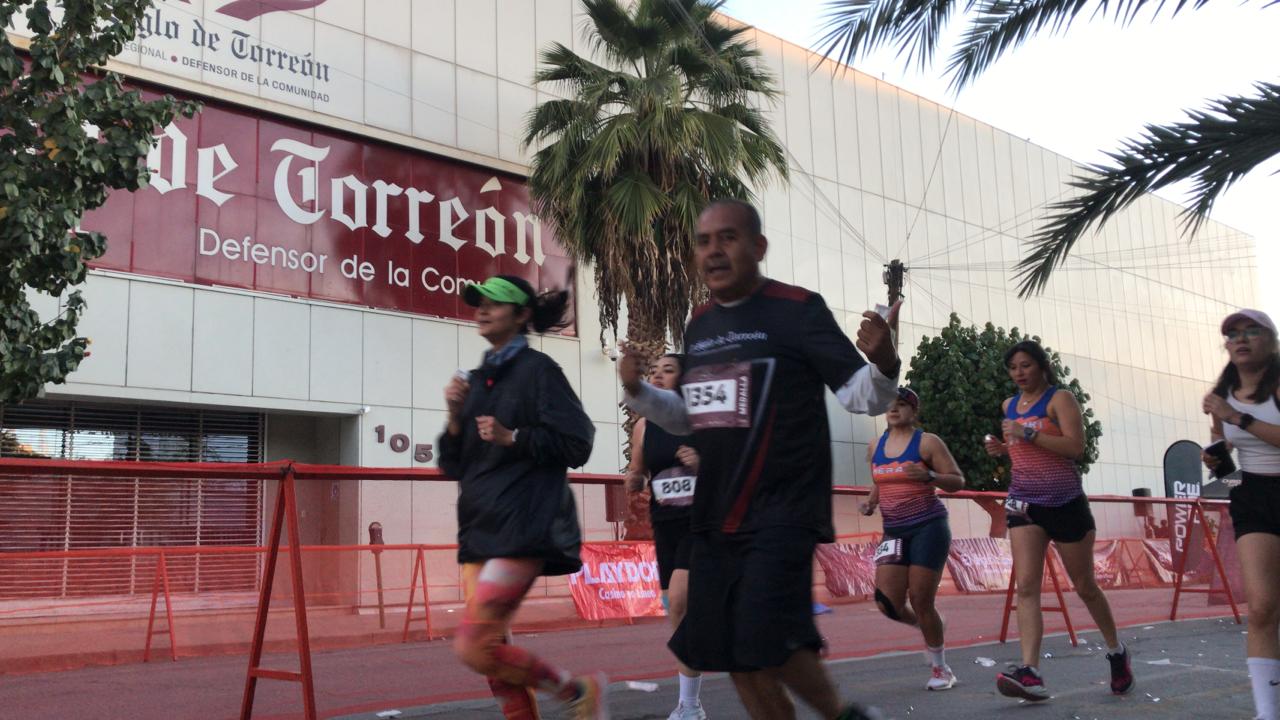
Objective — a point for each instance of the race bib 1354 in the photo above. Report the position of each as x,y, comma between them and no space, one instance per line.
718,396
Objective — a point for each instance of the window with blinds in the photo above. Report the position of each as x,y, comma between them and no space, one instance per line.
79,513
74,431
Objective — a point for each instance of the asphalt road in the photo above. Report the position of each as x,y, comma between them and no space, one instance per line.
1188,669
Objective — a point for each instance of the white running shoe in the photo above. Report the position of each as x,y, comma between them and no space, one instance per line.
688,712
943,679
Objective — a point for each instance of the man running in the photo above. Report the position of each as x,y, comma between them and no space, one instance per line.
758,356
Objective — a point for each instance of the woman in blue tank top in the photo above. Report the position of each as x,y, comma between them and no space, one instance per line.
908,466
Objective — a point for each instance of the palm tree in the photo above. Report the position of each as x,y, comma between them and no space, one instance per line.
639,147
1214,147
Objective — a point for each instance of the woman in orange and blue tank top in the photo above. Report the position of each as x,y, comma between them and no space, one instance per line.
1043,435
908,465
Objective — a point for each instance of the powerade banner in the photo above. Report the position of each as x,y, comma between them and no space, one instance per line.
1108,562
617,581
1183,475
980,564
242,199
849,570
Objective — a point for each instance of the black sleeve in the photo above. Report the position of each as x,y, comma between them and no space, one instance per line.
563,434
826,347
450,454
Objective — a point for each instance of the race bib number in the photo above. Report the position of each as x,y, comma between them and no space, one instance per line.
718,396
674,487
889,552
1015,507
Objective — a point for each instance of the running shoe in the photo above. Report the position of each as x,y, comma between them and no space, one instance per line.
1121,673
688,712
592,702
859,712
943,679
1022,682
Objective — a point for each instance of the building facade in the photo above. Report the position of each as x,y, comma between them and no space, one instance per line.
288,285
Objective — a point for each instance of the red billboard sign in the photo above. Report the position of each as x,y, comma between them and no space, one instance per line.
617,580
252,201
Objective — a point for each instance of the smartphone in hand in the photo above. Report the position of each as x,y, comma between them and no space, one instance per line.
1226,465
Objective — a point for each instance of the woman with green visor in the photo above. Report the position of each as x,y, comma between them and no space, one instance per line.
515,428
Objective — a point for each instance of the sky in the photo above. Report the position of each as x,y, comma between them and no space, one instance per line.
1082,92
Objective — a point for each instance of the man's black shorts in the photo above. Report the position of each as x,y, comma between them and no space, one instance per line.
750,600
1067,523
671,543
1255,505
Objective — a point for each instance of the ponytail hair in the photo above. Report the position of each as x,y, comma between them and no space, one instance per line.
549,310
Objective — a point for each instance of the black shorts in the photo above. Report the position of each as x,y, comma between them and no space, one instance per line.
1255,505
1067,523
671,545
750,600
924,544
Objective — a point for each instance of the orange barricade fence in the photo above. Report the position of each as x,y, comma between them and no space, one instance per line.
108,562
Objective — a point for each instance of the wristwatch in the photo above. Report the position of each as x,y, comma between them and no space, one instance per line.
1029,434
1245,421
514,434
933,476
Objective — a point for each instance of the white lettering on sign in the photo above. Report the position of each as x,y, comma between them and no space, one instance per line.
614,573
246,250
298,195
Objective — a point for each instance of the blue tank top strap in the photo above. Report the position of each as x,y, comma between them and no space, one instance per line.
912,453
1040,409
1043,406
879,458
909,454
1011,412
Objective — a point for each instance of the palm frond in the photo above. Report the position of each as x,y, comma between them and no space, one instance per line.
1001,25
552,118
1214,148
619,36
560,64
855,27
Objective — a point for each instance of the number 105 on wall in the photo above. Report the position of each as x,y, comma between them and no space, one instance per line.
399,443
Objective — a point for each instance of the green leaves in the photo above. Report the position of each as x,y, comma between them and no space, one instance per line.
68,134
642,144
961,379
1212,149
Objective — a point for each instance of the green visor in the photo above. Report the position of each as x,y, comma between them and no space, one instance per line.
497,290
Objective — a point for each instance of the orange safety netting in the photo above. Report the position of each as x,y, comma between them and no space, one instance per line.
159,563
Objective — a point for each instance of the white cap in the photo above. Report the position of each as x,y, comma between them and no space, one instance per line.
1247,314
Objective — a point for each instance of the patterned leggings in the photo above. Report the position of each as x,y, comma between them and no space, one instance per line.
493,591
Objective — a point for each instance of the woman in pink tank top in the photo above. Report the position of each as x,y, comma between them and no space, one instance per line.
1043,435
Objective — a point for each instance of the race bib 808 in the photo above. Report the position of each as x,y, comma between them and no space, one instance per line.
718,396
674,486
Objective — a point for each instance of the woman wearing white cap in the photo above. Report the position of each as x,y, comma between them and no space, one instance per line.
1246,413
